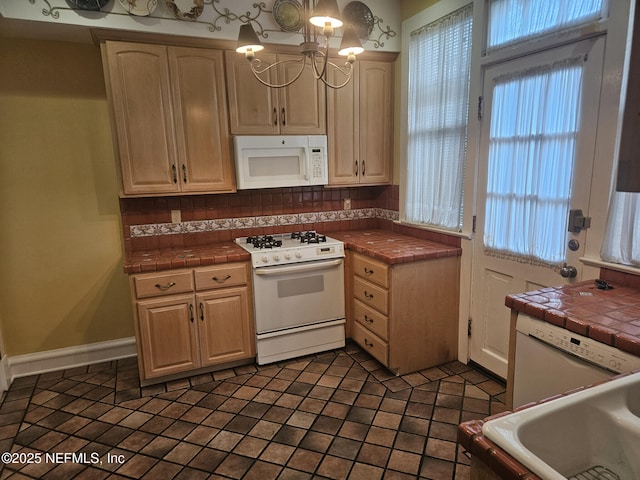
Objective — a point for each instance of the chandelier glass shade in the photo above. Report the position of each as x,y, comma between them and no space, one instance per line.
321,20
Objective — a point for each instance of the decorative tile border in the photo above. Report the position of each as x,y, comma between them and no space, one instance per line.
220,224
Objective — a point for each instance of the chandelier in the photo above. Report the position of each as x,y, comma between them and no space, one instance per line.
320,24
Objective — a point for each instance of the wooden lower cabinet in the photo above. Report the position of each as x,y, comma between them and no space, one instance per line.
224,328
405,315
168,337
179,332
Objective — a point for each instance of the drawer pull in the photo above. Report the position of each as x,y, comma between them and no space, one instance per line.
165,287
368,295
368,271
201,312
191,313
368,320
368,343
221,280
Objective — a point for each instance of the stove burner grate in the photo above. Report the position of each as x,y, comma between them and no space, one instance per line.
264,241
309,237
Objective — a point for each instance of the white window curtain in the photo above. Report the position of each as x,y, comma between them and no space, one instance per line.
512,21
439,68
533,133
620,244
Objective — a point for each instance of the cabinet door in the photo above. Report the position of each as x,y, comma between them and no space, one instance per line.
168,337
302,104
342,129
225,326
253,107
138,86
201,121
375,120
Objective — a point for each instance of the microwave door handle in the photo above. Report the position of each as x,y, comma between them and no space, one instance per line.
305,163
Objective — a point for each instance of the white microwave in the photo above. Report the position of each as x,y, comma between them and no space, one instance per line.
268,161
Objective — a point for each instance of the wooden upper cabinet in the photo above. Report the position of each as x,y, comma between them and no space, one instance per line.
360,125
170,118
138,81
255,109
201,121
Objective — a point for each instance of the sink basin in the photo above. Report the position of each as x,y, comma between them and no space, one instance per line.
590,434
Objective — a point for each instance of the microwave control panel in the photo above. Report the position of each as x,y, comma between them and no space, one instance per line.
316,163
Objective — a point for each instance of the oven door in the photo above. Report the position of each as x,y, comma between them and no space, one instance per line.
300,294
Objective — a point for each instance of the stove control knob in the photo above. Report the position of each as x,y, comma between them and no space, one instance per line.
298,254
265,259
276,257
287,256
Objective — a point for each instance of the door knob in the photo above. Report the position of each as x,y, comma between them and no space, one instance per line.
568,271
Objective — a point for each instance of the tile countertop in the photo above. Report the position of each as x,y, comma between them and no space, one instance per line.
386,246
166,259
392,248
611,316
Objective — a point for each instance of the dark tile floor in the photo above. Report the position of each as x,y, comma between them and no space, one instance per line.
336,415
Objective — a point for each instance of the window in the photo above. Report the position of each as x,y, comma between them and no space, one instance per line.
621,245
512,21
438,93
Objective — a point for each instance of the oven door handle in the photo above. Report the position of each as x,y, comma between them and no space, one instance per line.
306,267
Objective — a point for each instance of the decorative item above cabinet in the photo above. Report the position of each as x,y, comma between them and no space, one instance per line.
170,120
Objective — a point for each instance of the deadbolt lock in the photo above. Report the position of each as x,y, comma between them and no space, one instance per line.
578,222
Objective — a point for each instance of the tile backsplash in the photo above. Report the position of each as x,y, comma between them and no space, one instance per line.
209,218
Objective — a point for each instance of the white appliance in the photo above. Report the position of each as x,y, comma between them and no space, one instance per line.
550,360
298,287
280,161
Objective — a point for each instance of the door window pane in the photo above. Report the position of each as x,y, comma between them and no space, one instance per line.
532,145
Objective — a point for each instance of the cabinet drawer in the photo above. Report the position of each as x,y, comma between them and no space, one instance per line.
168,283
371,319
222,276
371,295
372,270
371,343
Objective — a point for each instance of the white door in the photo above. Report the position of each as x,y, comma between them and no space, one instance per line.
515,92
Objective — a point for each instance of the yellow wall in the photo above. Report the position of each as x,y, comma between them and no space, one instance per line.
409,8
60,234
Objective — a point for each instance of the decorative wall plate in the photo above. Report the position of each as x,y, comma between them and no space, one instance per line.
360,17
140,8
93,5
288,15
186,9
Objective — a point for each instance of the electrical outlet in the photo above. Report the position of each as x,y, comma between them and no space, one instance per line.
347,204
176,216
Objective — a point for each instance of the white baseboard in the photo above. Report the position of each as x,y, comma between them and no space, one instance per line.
63,358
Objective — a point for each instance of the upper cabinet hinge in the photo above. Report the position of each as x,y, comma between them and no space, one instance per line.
480,107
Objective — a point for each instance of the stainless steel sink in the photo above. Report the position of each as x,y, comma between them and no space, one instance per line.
590,434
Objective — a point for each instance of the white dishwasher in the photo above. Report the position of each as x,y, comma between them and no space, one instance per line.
550,360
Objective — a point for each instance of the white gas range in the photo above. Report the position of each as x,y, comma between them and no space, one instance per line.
298,286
